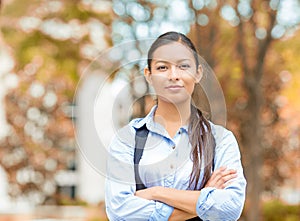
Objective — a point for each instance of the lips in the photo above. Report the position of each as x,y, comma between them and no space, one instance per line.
174,87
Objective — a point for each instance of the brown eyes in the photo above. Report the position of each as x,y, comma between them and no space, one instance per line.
184,66
181,67
162,68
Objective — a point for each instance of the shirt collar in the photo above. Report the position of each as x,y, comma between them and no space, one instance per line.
153,126
149,121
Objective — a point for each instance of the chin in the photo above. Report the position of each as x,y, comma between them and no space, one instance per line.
177,100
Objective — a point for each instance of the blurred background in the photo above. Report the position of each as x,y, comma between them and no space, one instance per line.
51,162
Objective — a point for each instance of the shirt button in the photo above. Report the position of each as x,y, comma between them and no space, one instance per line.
173,147
171,166
179,132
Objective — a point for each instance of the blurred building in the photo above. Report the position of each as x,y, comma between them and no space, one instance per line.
101,107
6,80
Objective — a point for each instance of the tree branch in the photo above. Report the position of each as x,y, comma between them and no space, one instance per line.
247,79
263,47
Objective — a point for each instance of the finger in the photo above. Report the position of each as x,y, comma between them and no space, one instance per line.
222,183
218,171
222,168
232,171
217,174
221,174
226,173
220,177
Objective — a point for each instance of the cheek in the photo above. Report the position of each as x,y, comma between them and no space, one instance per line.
157,80
157,84
190,88
189,84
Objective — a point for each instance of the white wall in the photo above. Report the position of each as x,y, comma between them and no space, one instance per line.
94,131
6,65
4,199
101,106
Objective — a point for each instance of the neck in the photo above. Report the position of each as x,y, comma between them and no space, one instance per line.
169,113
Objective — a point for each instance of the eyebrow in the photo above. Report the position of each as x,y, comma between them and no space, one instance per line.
178,61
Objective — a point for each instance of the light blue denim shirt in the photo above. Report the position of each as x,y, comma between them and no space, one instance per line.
166,161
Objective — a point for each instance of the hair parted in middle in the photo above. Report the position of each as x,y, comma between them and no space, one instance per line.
200,134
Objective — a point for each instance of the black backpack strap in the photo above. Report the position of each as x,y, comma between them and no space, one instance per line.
214,153
140,141
195,219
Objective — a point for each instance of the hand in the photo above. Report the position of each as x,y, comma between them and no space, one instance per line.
220,178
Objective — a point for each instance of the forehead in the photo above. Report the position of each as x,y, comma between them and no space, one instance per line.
173,52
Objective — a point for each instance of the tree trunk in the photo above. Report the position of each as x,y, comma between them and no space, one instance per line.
251,142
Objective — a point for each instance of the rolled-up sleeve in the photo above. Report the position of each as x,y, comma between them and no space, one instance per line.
121,203
224,204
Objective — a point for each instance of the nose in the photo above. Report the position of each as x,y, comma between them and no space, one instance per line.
173,73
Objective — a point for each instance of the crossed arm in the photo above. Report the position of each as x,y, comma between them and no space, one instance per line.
184,201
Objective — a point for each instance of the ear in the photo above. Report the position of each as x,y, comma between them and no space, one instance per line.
199,73
147,75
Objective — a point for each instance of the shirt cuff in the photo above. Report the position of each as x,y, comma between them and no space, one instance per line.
204,201
162,211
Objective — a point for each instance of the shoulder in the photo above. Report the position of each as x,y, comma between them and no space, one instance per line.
221,134
126,134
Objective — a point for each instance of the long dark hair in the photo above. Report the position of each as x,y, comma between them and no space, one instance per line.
200,135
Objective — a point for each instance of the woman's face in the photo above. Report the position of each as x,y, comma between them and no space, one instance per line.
173,73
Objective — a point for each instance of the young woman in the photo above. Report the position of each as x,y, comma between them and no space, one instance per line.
190,167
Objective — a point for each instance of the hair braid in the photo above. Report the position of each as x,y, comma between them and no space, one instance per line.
202,153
